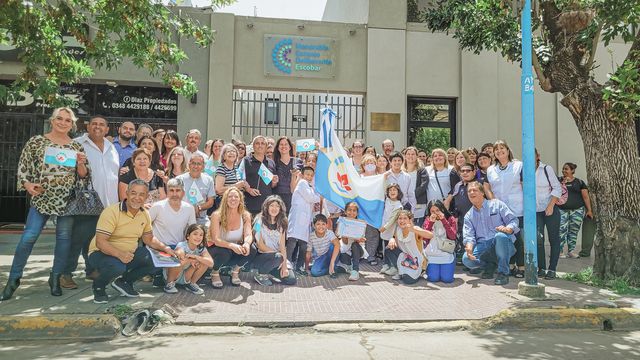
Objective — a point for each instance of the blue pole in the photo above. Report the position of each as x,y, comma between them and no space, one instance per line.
528,152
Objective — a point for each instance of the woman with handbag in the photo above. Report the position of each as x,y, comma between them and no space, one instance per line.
47,170
440,249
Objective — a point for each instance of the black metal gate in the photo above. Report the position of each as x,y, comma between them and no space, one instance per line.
15,130
295,114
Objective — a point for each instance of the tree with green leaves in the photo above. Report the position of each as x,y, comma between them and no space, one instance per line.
566,35
144,31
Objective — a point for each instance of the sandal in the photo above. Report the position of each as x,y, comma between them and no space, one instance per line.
216,282
235,277
519,274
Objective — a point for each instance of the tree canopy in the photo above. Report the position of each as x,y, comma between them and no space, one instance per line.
145,32
495,25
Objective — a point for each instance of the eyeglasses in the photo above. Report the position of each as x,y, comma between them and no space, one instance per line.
196,163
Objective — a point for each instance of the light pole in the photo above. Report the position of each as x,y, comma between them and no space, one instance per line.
530,286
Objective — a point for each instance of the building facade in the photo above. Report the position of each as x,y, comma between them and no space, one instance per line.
386,78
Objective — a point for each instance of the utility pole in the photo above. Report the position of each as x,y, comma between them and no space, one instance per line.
530,286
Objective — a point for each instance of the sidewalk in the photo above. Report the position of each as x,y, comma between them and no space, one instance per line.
374,298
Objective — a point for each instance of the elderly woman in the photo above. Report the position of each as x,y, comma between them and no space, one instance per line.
147,142
48,167
231,237
141,160
227,176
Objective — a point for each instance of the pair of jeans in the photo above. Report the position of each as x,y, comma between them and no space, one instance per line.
501,245
588,233
552,223
223,257
84,229
291,244
354,258
321,264
110,267
33,228
265,263
441,272
373,239
391,256
570,222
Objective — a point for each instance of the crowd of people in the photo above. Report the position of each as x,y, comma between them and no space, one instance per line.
215,214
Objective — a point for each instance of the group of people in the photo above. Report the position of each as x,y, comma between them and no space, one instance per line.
217,215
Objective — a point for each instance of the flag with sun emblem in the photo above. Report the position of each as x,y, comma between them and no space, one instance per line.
338,181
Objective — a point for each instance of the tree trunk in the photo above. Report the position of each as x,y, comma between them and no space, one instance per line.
613,168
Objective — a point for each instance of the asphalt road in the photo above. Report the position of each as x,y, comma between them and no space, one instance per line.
305,344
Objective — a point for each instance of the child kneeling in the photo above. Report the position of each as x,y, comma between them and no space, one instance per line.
194,261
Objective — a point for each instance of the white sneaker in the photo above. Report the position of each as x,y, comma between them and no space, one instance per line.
392,271
396,276
384,269
355,276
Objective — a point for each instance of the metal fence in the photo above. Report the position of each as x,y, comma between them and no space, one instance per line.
295,114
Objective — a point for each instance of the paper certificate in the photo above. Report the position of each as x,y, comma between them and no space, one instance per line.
351,228
60,157
162,259
305,145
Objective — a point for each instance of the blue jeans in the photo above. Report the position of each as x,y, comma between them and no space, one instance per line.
110,267
32,230
504,249
441,272
321,264
84,229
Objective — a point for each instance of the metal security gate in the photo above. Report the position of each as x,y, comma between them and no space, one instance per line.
15,130
295,114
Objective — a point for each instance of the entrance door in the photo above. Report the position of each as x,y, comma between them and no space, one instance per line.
431,123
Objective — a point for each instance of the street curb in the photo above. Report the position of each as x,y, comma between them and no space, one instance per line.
58,327
566,318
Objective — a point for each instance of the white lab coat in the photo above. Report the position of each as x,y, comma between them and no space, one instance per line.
301,213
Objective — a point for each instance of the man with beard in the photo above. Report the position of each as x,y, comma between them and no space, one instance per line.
124,143
104,164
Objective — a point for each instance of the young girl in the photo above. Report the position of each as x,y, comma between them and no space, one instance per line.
194,261
270,229
392,207
351,250
441,264
405,249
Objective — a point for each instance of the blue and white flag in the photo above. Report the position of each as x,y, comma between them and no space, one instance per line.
305,145
265,174
57,156
338,181
241,173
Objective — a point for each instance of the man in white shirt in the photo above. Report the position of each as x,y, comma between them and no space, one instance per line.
171,216
192,141
104,164
199,189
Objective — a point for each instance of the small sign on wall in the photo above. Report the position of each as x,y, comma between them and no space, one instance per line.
385,121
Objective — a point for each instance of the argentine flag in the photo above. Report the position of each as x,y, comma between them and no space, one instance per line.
338,181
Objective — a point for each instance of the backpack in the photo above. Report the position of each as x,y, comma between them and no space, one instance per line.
565,193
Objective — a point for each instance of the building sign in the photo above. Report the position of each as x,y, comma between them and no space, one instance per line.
299,56
121,101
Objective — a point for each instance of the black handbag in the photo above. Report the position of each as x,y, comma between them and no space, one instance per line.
84,200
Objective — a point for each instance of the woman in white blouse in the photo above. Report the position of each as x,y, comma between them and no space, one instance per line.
505,183
439,179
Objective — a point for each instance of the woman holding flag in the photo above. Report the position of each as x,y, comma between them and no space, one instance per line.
48,168
260,176
227,173
286,165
